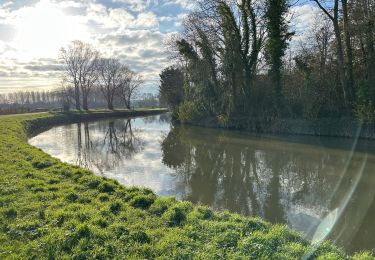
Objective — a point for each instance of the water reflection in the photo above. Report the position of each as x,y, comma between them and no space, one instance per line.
283,181
315,185
119,142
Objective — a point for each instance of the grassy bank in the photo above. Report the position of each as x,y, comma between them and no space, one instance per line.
49,209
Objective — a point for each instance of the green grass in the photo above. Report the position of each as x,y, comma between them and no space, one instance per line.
49,209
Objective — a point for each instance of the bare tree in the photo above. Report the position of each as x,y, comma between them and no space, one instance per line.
80,60
69,58
131,82
335,18
111,75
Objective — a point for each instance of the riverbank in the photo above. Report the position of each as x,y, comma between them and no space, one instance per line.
50,209
330,127
40,124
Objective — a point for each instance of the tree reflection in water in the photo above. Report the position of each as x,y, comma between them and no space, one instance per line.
120,141
283,182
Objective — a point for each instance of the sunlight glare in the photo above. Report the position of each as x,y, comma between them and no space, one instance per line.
43,29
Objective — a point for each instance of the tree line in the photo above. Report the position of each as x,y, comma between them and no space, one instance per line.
89,80
234,60
33,101
27,101
86,71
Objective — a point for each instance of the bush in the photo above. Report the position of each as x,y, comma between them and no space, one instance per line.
188,112
364,109
365,112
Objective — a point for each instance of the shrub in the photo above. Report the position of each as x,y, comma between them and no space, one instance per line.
189,111
365,113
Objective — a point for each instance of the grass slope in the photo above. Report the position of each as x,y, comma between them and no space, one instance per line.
49,209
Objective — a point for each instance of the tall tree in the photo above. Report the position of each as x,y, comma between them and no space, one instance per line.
171,89
335,19
129,86
277,43
81,61
221,47
111,74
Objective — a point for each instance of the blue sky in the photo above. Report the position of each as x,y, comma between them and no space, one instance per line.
33,31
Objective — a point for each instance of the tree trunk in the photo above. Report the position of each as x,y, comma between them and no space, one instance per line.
110,104
77,98
371,59
340,50
349,50
340,61
85,104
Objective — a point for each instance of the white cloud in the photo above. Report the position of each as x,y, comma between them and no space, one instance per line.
31,36
33,31
147,20
303,18
137,5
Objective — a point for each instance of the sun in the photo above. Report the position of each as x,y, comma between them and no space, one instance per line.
43,29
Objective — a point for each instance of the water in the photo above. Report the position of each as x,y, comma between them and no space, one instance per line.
321,187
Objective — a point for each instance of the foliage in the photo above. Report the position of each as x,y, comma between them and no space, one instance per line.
221,58
65,212
364,109
276,45
227,47
189,111
171,88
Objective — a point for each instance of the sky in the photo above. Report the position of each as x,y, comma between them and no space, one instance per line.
33,31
